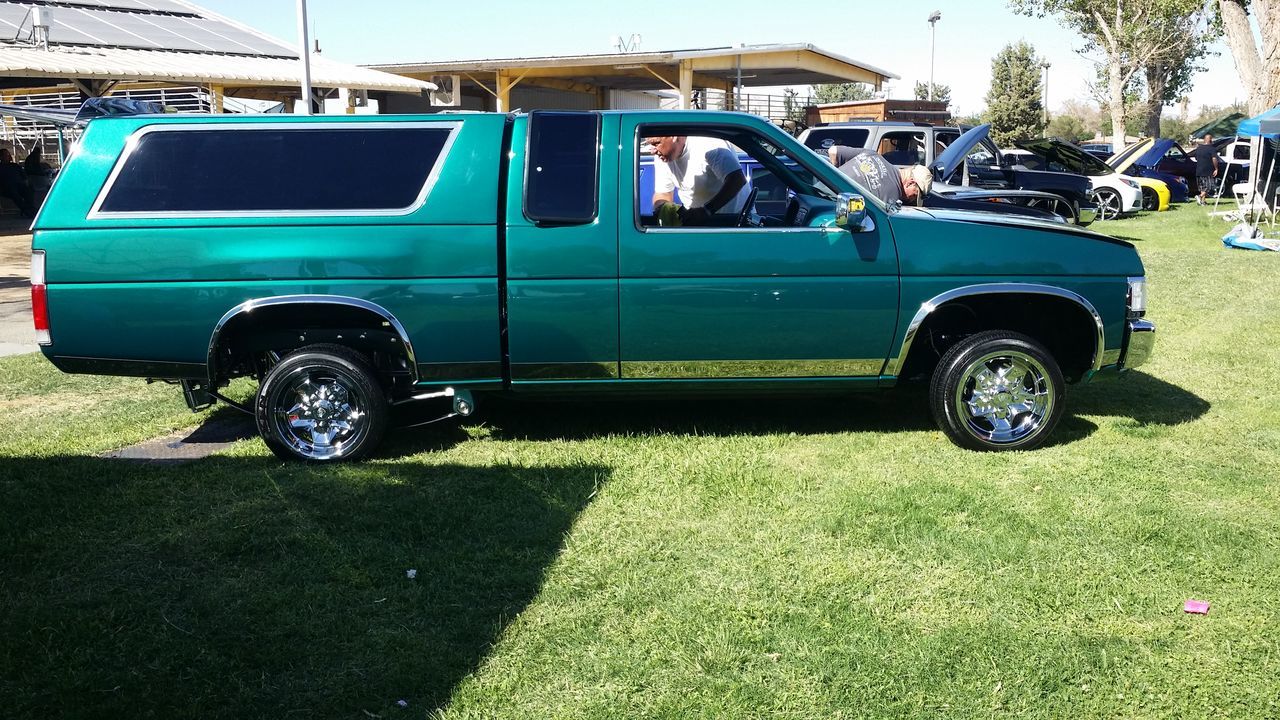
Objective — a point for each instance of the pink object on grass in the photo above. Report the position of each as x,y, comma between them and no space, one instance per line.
1200,607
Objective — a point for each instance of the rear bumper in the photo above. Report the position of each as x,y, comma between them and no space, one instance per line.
1139,339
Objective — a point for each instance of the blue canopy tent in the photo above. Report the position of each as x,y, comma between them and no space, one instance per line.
1265,131
1253,126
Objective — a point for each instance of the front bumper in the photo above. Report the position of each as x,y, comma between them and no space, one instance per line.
1139,339
1086,214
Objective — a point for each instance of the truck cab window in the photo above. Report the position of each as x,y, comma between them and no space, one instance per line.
721,177
562,169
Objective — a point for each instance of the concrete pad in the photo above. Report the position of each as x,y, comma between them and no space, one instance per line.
17,333
187,445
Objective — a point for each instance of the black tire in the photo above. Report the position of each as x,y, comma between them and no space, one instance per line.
1021,413
322,403
1150,200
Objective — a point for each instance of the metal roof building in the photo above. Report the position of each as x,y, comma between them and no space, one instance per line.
95,44
490,84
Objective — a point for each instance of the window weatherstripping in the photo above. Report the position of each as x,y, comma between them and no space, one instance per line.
104,198
562,167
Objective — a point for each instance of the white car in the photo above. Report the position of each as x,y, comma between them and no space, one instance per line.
1115,194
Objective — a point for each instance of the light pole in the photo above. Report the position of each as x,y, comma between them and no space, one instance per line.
305,44
934,17
1045,65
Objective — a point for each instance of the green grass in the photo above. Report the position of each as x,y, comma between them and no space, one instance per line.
833,558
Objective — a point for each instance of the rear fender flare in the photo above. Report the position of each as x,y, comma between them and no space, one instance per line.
247,307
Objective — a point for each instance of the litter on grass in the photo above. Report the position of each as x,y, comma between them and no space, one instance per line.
1199,607
1245,237
411,573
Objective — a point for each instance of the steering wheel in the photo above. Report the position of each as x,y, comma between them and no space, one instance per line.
745,212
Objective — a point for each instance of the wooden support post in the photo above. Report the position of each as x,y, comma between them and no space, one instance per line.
686,85
216,93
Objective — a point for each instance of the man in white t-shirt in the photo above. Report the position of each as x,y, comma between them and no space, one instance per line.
705,171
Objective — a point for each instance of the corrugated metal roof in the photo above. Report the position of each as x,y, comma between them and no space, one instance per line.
108,63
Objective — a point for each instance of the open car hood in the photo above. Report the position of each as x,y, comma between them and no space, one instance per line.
1158,149
1068,156
945,165
1121,161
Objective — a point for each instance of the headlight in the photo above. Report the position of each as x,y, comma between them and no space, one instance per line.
1137,300
1130,183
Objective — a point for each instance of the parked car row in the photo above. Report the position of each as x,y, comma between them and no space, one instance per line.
967,166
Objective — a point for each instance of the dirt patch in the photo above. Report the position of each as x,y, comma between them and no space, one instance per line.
15,247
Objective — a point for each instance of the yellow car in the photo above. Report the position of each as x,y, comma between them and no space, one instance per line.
1155,194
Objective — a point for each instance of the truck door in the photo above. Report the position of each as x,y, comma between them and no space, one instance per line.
750,295
562,248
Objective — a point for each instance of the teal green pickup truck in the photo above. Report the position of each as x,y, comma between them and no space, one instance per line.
353,264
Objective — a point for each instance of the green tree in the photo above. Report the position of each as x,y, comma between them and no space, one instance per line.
792,109
1168,76
1130,34
841,92
1257,55
941,93
1069,128
1013,102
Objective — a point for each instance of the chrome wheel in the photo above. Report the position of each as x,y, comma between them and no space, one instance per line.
1108,203
1058,206
322,403
319,413
1004,397
997,390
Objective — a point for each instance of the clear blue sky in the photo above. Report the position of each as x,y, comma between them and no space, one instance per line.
890,35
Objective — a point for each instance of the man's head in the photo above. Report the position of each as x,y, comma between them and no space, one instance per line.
916,181
666,146
5,155
1208,138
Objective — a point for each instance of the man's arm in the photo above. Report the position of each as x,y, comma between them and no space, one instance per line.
662,198
733,182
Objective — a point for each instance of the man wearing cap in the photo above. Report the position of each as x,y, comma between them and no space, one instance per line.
706,172
874,174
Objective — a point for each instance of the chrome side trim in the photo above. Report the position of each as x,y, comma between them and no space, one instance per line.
1112,356
927,307
1140,339
131,145
684,369
249,306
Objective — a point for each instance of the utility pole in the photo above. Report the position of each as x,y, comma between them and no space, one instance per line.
934,17
1045,65
304,45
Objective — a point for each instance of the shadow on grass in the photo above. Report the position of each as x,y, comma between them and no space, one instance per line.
897,410
246,588
1146,399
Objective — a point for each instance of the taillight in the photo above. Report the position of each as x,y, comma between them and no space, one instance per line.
40,299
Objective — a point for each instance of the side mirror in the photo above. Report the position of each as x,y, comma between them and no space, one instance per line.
851,212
